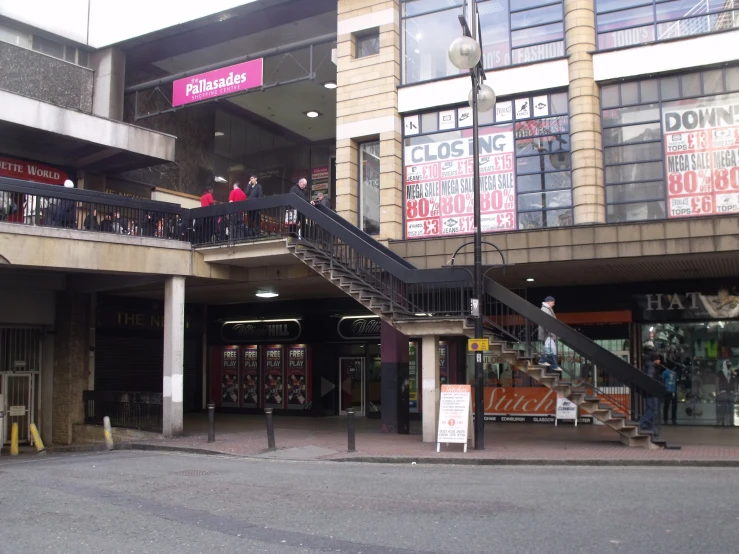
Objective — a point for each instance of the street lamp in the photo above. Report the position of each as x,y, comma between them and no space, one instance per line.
465,52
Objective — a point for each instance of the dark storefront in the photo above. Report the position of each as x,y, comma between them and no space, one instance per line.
129,348
310,358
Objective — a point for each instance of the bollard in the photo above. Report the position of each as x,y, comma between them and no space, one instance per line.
40,448
211,422
14,440
107,433
270,429
350,429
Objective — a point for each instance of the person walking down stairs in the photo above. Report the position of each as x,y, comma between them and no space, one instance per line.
549,356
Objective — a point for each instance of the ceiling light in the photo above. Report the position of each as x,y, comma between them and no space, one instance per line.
267,294
220,133
330,84
422,315
531,279
219,179
312,113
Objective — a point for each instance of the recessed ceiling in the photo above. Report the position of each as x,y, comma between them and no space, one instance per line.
285,105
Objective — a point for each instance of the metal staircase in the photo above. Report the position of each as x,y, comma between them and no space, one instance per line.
403,296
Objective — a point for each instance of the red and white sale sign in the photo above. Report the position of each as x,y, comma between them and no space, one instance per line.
439,191
702,153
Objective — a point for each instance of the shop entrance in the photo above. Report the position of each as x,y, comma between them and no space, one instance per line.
351,377
18,398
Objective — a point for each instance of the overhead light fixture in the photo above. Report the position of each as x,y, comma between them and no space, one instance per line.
219,179
330,84
312,113
220,133
530,279
267,294
422,315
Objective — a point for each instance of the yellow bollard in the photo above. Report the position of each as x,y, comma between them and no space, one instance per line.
37,439
14,440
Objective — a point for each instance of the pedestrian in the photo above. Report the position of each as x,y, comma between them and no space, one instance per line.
301,189
91,221
549,356
669,379
237,228
148,225
207,198
106,225
322,200
120,223
65,210
253,192
651,368
726,386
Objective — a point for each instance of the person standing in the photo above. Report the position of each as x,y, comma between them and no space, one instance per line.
726,386
669,379
253,192
651,403
207,198
549,356
236,228
301,189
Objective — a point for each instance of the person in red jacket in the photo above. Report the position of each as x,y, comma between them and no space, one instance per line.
207,198
237,229
237,195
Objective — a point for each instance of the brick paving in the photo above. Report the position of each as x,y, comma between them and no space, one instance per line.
246,436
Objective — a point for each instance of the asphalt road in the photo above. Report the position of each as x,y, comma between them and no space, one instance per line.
177,503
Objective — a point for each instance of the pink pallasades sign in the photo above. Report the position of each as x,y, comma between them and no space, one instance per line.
218,82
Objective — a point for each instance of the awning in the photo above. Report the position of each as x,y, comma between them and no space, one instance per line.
40,131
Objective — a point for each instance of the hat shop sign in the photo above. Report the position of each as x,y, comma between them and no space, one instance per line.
724,304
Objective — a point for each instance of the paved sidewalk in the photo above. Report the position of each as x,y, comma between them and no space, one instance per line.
325,439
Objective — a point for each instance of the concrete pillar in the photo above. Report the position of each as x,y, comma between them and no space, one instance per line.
431,389
394,379
110,75
174,345
588,194
71,372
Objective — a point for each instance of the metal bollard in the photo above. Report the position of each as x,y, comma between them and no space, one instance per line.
40,448
14,439
270,429
211,422
108,434
350,429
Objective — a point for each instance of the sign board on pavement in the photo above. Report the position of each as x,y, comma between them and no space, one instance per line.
454,415
566,411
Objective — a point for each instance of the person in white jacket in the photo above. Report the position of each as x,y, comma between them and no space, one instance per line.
549,356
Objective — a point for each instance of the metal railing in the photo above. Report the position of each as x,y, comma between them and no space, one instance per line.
132,410
39,205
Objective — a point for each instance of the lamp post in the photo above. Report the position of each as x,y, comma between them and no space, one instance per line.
465,52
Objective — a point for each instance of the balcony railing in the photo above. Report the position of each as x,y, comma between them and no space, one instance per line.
133,410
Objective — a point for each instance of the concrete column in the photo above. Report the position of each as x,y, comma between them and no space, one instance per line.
588,192
394,379
110,75
174,345
431,389
71,355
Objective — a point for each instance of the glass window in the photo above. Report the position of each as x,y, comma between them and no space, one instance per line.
368,43
49,47
622,23
634,172
618,213
637,114
539,200
629,94
512,33
558,103
549,162
632,134
713,82
632,192
369,178
691,84
609,96
636,153
14,36
544,181
548,218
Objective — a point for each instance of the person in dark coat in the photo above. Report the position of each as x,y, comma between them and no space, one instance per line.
651,404
65,211
322,200
301,189
91,221
253,192
106,226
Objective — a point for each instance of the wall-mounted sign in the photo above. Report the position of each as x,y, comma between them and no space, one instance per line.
274,375
365,327
521,405
250,375
443,363
218,82
230,377
687,306
261,330
29,171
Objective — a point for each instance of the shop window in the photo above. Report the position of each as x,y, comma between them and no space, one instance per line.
14,36
525,168
367,43
669,156
369,179
513,33
623,23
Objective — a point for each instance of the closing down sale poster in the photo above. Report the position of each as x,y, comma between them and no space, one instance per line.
702,152
439,192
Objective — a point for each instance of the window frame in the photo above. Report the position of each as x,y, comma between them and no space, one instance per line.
373,34
360,187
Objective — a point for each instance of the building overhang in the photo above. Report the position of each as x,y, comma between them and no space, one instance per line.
59,136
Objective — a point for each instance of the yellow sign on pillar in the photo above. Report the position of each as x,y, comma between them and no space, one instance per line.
478,345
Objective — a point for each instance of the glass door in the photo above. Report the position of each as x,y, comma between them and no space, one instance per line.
351,377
